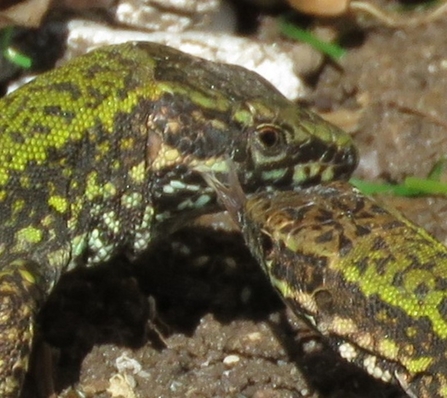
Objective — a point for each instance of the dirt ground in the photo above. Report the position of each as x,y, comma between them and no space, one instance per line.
196,317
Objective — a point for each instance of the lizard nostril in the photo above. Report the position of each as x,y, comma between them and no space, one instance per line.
324,300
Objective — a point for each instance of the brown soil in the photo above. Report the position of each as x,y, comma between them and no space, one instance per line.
198,324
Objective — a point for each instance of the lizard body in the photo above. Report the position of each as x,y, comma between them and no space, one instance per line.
365,277
98,157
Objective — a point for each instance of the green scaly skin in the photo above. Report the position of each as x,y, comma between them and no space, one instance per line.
369,280
99,157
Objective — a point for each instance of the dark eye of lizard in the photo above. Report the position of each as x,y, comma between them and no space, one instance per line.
270,138
267,244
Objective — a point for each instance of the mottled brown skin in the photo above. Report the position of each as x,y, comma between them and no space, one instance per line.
99,157
370,281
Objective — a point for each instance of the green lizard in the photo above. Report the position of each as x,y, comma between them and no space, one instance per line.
98,158
369,280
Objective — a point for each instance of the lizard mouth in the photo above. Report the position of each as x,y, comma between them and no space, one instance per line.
333,164
303,170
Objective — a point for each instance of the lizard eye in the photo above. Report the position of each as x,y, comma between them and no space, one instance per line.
266,244
270,137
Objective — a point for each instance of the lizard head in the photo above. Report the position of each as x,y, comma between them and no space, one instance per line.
209,112
205,113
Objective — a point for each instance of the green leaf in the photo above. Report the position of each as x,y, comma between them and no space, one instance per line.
291,30
10,53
